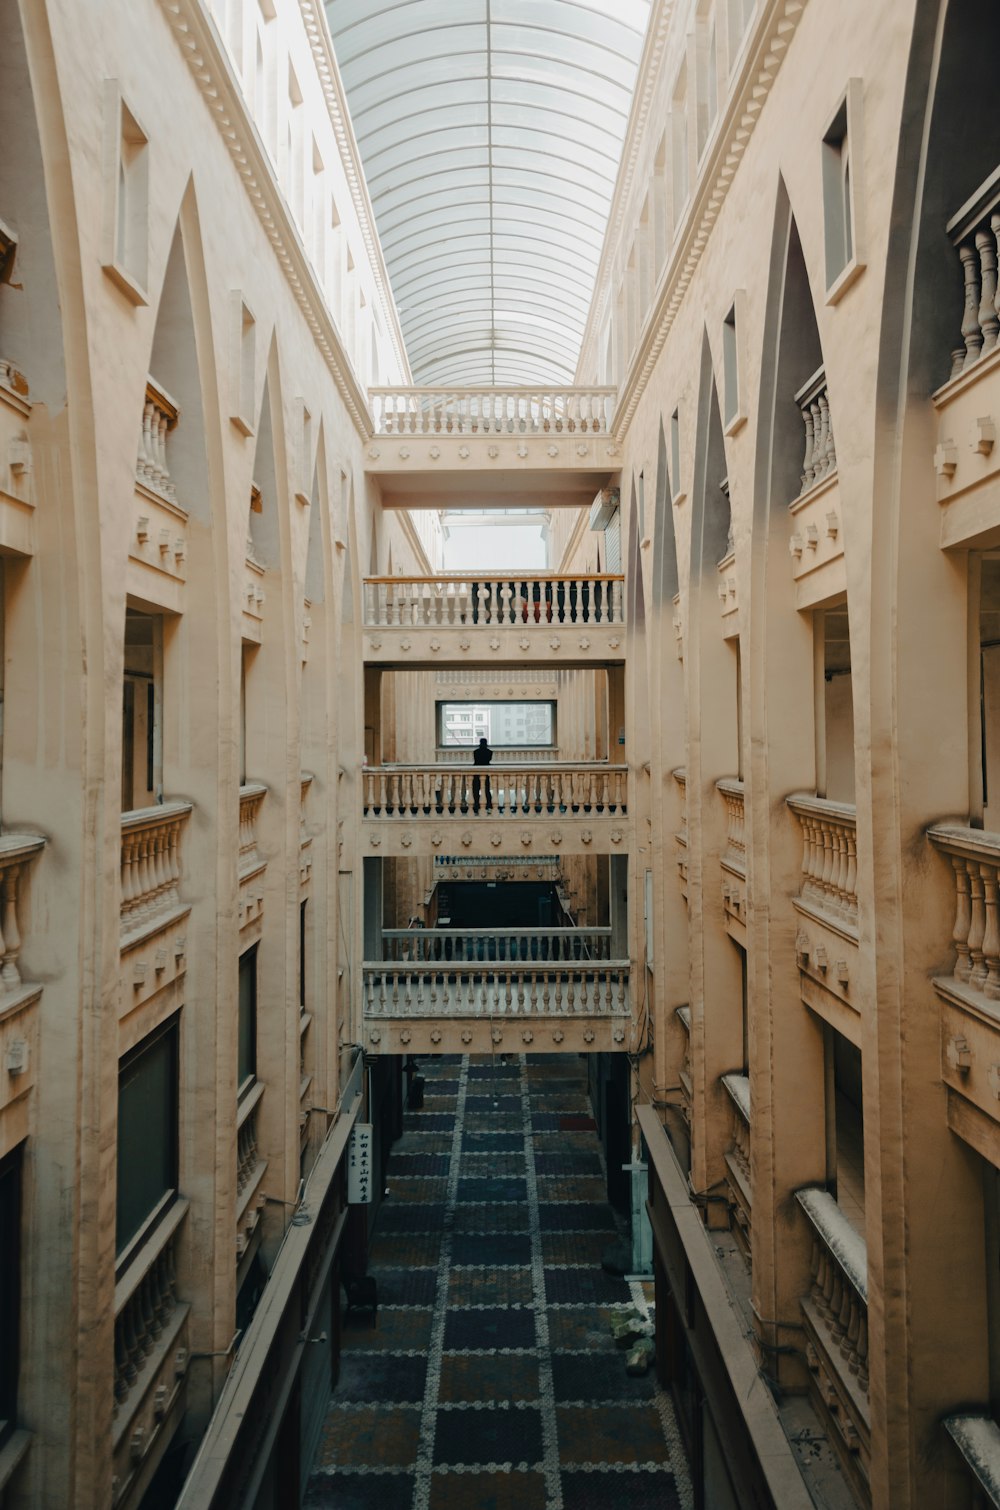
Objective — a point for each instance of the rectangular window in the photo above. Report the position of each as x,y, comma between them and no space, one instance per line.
462,725
675,455
242,359
842,201
708,75
147,1133
734,408
302,955
679,138
10,1289
246,1052
126,168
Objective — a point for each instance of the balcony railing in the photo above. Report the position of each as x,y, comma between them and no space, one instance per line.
492,411
820,459
975,860
493,791
251,797
737,1088
735,855
159,416
151,864
483,946
836,1313
489,602
495,989
975,232
829,859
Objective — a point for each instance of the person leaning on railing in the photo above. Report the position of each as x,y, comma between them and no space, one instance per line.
481,756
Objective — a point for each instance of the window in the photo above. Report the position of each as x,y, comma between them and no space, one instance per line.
242,359
675,455
679,139
708,75
303,460
740,12
302,955
835,706
126,166
462,725
846,1127
988,676
843,229
147,1133
246,1049
142,738
10,1289
734,409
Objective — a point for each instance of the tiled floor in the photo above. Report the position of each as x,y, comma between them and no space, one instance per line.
491,1381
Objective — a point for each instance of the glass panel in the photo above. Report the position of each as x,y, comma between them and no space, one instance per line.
494,137
147,1131
246,1056
504,725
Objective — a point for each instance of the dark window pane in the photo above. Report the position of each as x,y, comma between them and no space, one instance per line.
147,1131
10,1288
246,1060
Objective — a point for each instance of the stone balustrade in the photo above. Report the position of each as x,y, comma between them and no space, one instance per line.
159,417
251,797
681,836
542,599
737,1088
829,859
16,851
526,755
836,1316
820,459
250,1168
492,411
487,945
493,791
13,380
496,868
975,861
975,234
735,856
151,865
683,1015
497,989
977,1437
151,1350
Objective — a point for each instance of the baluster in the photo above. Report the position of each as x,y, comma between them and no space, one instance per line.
991,935
10,944
382,793
971,333
977,929
808,471
829,459
987,315
963,920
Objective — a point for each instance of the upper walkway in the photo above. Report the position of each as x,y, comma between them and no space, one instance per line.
477,447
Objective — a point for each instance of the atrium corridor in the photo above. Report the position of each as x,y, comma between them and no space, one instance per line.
491,1380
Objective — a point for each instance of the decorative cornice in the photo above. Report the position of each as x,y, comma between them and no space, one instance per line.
746,102
209,64
318,31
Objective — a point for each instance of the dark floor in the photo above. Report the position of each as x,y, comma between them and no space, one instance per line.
491,1381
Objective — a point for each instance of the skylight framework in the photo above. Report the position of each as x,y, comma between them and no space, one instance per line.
490,132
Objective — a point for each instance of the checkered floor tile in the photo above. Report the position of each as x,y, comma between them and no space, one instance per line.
491,1380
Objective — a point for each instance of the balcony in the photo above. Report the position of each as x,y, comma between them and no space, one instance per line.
571,808
734,860
251,865
17,490
250,1171
826,946
737,1159
527,620
153,915
970,994
455,991
836,1329
967,459
158,543
816,542
19,999
151,1356
681,836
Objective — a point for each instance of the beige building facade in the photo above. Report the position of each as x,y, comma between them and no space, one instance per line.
762,844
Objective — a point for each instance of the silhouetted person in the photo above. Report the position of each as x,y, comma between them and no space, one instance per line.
481,756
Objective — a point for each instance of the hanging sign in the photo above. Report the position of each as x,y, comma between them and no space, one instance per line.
359,1164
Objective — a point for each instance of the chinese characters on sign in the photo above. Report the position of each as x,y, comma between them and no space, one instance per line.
359,1164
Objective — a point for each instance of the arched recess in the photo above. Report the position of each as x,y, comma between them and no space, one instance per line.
669,987
195,677
711,670
917,712
786,1049
56,723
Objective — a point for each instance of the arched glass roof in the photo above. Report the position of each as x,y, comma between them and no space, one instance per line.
490,132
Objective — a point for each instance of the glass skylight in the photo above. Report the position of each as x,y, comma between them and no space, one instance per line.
490,132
